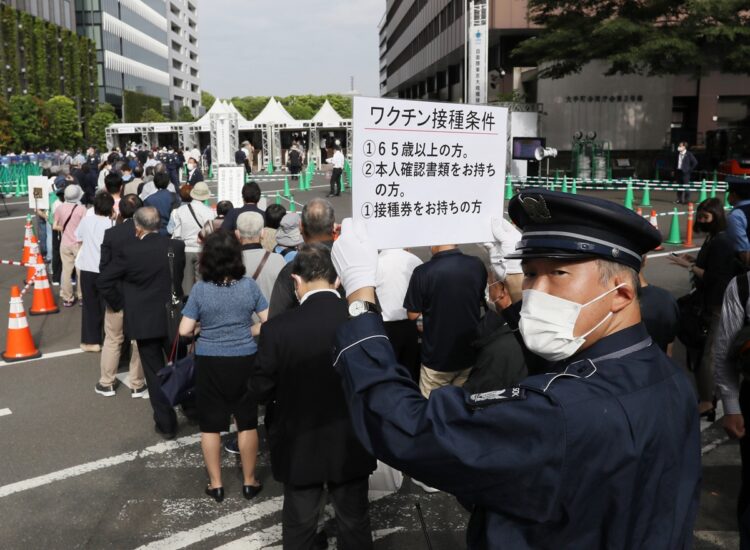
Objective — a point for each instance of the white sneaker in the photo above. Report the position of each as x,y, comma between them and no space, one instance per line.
425,488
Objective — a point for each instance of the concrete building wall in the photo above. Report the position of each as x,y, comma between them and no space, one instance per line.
184,69
631,112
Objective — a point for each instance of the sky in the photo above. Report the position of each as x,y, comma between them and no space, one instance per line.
286,47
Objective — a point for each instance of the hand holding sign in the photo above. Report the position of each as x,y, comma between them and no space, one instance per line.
355,257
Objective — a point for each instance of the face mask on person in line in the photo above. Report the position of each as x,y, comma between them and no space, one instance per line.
488,300
547,324
191,166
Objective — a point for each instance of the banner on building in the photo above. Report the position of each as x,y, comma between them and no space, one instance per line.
427,173
477,52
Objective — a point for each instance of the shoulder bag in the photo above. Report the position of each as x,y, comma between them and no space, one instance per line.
174,304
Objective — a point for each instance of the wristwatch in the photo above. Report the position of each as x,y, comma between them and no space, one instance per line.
358,307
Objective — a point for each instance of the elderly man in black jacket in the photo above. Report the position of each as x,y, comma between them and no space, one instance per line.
310,433
138,281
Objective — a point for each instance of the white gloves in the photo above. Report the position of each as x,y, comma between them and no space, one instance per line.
355,257
506,238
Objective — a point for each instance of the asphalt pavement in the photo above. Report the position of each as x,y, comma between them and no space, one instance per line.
83,471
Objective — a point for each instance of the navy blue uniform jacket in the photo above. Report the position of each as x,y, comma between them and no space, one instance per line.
603,453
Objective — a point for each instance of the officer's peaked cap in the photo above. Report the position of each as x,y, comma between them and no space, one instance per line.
564,226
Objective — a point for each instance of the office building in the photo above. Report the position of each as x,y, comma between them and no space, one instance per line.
184,77
59,12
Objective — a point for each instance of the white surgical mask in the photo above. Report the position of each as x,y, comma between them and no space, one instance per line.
547,324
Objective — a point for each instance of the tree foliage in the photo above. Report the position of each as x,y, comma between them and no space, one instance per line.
152,115
301,107
653,37
63,128
103,117
6,132
26,116
185,114
207,100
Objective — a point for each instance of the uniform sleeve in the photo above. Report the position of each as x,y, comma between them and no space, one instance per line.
507,457
726,375
737,230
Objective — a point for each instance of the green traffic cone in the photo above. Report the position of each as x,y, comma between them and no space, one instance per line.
565,184
674,230
278,198
508,188
704,193
292,204
287,193
629,195
269,168
574,188
210,172
646,196
301,178
713,191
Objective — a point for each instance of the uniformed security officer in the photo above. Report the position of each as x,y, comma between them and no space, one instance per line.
173,162
603,452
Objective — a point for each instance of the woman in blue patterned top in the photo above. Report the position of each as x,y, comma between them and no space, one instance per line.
224,302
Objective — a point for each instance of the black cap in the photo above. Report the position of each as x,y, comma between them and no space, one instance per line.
564,226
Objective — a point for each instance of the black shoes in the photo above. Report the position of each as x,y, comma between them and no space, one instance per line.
249,491
165,435
217,494
106,391
141,392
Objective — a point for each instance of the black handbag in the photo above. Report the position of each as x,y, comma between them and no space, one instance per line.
174,305
178,377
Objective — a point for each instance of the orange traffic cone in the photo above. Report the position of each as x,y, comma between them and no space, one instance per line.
31,270
28,233
19,344
44,301
655,223
689,240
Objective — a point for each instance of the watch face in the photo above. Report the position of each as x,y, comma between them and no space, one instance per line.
357,308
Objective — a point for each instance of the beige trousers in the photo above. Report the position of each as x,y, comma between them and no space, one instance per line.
68,255
432,379
114,336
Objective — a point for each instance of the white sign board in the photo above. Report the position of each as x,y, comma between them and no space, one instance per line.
231,181
478,48
427,173
39,192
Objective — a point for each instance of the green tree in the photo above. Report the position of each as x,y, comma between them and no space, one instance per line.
152,115
207,100
26,115
654,38
185,114
6,132
64,130
103,117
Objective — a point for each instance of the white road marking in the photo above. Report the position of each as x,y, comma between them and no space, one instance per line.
222,525
53,355
5,412
75,471
12,218
715,443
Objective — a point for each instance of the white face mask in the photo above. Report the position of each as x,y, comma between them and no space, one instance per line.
547,324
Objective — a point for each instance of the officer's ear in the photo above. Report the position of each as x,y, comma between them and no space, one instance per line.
625,293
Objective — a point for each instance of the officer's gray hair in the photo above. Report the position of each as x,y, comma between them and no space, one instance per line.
608,270
147,218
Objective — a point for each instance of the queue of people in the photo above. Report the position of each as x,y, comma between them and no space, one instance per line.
513,382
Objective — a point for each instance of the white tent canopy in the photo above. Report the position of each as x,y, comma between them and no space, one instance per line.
327,115
274,113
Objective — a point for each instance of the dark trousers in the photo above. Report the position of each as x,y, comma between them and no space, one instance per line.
683,191
153,360
302,506
336,181
92,317
56,259
743,503
404,338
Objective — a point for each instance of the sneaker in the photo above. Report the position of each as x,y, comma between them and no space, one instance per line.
106,391
141,392
69,303
232,446
91,348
